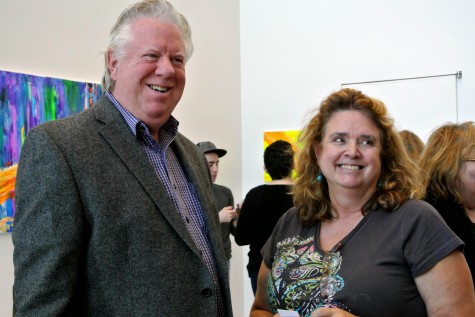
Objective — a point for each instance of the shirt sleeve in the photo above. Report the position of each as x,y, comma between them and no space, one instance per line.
427,239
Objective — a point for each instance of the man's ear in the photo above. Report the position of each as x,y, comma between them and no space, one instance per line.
112,64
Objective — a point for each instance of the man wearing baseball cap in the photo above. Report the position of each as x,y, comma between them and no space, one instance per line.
222,195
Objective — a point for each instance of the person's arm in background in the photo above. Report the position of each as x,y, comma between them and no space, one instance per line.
246,222
227,214
48,231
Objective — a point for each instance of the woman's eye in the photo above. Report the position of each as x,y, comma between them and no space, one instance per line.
368,142
338,140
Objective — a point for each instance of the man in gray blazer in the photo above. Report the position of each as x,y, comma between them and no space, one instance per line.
114,207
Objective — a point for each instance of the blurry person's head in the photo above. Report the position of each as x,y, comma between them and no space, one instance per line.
212,154
279,159
449,162
413,144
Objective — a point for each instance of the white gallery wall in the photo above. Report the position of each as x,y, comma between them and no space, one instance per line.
259,65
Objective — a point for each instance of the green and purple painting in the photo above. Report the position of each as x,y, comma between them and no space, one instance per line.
26,101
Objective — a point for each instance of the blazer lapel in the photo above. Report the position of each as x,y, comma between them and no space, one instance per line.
118,135
189,157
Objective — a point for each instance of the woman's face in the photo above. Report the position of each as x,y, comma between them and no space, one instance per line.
349,155
466,179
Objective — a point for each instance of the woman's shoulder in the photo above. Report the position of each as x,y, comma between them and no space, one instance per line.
419,208
290,219
290,228
412,212
417,205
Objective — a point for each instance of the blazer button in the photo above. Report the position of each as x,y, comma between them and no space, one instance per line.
207,292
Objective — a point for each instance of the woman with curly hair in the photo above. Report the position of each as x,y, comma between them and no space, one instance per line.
358,241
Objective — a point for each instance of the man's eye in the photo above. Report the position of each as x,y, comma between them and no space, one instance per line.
150,57
177,61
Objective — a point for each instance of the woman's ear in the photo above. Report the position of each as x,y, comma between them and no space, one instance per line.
316,150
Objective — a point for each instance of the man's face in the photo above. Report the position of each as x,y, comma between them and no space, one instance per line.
150,76
213,164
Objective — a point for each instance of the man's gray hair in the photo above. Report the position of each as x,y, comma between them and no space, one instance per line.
120,34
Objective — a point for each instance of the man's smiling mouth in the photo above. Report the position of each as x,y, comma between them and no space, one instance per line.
158,88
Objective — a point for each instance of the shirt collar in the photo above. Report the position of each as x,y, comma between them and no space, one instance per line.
170,128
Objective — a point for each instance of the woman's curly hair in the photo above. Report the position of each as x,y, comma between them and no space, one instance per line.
399,179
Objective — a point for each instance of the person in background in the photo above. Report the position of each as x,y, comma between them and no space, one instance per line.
264,204
222,195
358,241
413,144
449,163
115,213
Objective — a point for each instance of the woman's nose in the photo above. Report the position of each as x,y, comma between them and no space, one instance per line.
352,150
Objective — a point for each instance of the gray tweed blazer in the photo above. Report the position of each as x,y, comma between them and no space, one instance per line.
95,231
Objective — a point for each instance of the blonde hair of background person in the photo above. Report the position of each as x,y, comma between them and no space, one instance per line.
355,205
449,161
448,147
413,144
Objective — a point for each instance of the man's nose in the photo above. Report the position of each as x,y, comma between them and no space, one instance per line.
164,67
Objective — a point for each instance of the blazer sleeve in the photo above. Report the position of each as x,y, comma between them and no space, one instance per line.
48,230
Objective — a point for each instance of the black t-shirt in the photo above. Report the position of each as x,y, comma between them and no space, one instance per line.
455,216
378,263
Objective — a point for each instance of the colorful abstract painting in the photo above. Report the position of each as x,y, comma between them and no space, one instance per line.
26,101
290,136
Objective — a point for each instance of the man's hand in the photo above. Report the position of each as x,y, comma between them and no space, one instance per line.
227,214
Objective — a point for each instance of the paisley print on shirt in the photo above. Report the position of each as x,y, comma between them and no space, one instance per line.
294,280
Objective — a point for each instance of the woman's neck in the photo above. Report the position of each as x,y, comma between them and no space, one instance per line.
349,200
